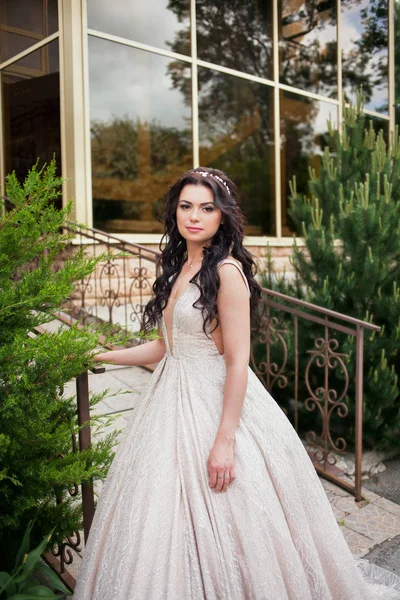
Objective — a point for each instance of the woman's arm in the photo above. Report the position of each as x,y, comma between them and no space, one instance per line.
234,316
145,354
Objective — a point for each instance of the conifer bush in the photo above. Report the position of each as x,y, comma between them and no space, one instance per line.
350,225
37,463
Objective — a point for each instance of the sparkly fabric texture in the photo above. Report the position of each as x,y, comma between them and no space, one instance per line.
161,533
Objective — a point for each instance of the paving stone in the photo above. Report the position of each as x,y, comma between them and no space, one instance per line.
368,495
134,378
359,544
347,504
374,522
54,326
389,506
331,496
122,402
70,388
331,487
101,408
100,382
339,514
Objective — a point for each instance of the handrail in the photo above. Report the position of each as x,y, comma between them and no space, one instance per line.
321,309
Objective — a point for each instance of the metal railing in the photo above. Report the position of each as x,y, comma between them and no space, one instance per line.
300,362
62,555
120,287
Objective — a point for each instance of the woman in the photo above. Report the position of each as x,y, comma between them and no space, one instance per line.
211,494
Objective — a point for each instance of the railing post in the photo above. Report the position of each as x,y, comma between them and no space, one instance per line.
359,410
82,394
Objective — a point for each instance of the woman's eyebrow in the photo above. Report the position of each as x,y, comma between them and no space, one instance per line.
202,204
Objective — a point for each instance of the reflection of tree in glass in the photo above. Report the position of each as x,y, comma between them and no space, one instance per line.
366,64
232,33
122,145
235,115
301,145
135,161
307,60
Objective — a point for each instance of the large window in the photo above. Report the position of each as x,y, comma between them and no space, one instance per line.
152,89
150,120
30,85
237,136
141,135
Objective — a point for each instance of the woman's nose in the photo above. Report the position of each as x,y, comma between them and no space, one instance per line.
194,216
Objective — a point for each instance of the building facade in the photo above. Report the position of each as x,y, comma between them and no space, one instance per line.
128,95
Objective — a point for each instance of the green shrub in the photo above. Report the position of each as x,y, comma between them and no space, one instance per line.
37,462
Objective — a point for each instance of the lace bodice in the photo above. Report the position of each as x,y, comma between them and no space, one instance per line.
188,337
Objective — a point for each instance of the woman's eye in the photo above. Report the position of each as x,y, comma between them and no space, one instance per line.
208,208
184,206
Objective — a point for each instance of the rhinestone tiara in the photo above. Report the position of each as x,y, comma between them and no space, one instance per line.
206,174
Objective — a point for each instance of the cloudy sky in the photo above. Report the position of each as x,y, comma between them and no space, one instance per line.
134,83
129,82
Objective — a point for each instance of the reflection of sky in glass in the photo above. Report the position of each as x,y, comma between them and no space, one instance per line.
125,82
352,29
149,22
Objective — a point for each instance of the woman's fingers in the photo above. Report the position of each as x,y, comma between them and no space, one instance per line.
220,481
227,479
213,478
232,475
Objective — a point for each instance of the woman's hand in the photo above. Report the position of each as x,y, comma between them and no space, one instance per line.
221,463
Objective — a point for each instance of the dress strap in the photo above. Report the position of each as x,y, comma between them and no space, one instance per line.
231,261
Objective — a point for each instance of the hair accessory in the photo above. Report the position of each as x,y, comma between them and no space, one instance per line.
206,174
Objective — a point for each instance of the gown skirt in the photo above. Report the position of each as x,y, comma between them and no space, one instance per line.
161,533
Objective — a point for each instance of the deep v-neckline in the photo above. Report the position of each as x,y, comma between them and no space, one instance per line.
170,347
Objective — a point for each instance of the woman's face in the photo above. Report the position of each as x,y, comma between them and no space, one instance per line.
197,216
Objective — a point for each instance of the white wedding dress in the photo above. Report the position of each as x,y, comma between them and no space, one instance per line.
161,533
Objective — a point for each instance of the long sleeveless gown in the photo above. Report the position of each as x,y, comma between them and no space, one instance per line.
161,533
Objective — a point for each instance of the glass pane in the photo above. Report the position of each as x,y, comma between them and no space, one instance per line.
34,20
236,34
13,43
31,117
308,45
364,35
154,22
303,130
236,135
141,133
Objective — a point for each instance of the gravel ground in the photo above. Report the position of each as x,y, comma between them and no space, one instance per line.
387,484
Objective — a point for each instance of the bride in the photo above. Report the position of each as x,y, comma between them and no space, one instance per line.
211,494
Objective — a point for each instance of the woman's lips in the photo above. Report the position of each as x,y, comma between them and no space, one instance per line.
194,228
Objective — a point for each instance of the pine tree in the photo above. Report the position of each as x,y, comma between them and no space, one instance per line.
37,462
350,225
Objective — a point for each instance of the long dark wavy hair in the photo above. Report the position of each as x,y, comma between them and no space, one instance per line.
227,241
